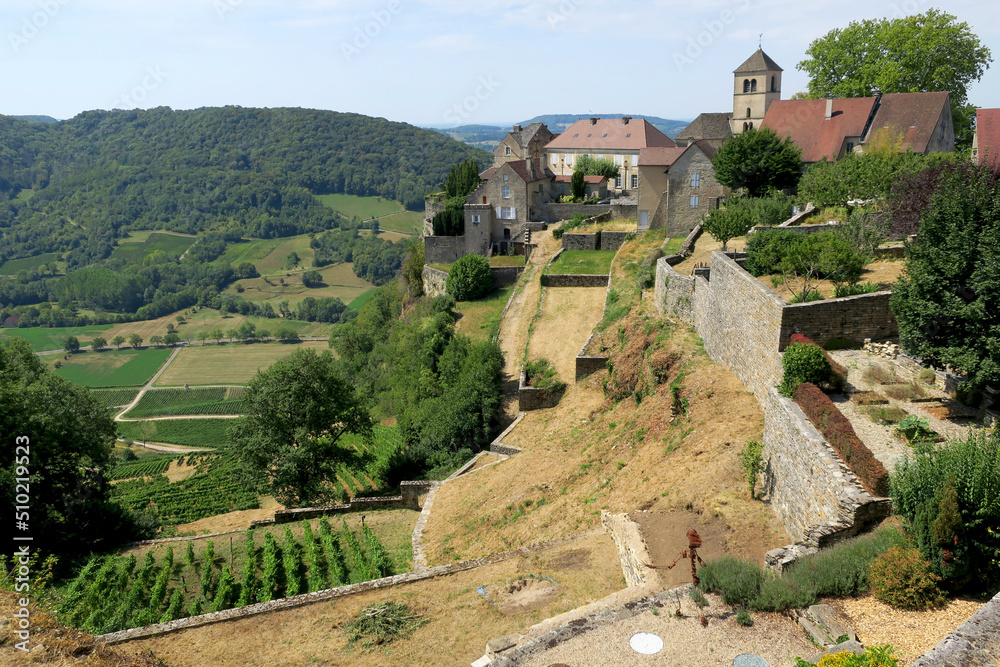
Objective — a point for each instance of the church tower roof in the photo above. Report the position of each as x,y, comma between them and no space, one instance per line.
758,62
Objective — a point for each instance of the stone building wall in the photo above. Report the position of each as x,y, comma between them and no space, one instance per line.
681,217
443,249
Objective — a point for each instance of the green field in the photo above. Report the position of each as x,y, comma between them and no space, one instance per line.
110,368
507,260
339,282
232,363
196,401
44,338
480,320
270,255
147,467
582,262
187,432
137,248
361,300
15,266
391,215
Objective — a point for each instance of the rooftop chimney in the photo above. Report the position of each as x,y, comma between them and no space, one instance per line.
626,119
529,164
593,121
829,109
517,128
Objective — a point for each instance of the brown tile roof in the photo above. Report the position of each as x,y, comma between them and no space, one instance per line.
707,126
596,180
488,173
988,135
664,157
660,157
805,122
915,114
609,134
758,62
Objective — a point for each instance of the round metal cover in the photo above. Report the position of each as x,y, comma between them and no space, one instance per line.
750,660
646,643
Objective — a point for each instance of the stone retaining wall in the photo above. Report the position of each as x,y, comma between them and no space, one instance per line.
552,212
506,275
632,551
976,643
573,280
612,240
532,398
443,249
434,281
588,365
817,498
852,318
572,241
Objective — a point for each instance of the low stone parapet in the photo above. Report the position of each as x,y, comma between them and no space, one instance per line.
573,280
532,398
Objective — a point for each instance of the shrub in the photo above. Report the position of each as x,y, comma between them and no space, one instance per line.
839,377
750,461
698,598
822,412
915,429
743,618
902,578
381,623
766,249
905,392
881,655
804,363
312,278
736,581
927,376
541,374
880,375
886,415
841,291
470,278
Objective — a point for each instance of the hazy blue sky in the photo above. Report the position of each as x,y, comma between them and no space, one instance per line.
422,61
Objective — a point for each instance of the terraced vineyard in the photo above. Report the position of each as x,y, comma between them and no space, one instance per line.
362,473
114,593
187,432
195,401
216,488
115,396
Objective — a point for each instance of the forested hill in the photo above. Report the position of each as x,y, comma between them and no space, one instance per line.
83,182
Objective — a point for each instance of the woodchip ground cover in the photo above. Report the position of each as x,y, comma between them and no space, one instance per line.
109,368
230,363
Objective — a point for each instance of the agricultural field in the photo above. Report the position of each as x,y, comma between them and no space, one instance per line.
232,363
42,339
199,322
410,223
141,244
339,281
587,262
391,215
110,368
196,401
116,396
147,467
361,300
115,592
186,432
15,266
270,255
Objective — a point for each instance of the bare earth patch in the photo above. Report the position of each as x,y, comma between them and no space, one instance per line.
239,520
177,471
569,315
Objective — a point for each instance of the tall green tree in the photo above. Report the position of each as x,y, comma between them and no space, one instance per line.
579,184
947,302
758,160
592,166
57,443
925,52
296,411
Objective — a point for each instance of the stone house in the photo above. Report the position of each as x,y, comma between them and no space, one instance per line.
617,139
828,129
677,187
522,143
986,142
712,128
514,192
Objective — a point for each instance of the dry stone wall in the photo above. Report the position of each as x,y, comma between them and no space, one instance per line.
612,240
573,280
435,281
632,551
853,318
571,241
531,398
443,249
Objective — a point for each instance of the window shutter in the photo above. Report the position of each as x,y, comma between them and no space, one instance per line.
498,211
513,213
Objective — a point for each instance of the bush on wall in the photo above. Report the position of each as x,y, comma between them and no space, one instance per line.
470,278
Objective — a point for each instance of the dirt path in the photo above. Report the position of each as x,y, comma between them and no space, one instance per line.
514,328
569,315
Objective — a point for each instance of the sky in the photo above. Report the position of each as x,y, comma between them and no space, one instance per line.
426,62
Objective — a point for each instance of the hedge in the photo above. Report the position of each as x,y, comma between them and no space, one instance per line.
838,431
839,371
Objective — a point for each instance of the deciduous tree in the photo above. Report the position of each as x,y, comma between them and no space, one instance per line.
758,160
925,52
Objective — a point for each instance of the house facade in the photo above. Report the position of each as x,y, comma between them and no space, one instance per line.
616,139
677,187
522,143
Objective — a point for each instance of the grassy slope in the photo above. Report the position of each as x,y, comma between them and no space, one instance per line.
392,216
42,338
481,319
15,265
590,262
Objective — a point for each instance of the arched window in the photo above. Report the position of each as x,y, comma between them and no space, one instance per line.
753,85
746,85
748,112
751,125
745,127
774,85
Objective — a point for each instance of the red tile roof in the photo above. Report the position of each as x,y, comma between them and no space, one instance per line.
988,135
520,169
596,180
610,134
915,114
664,157
805,122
